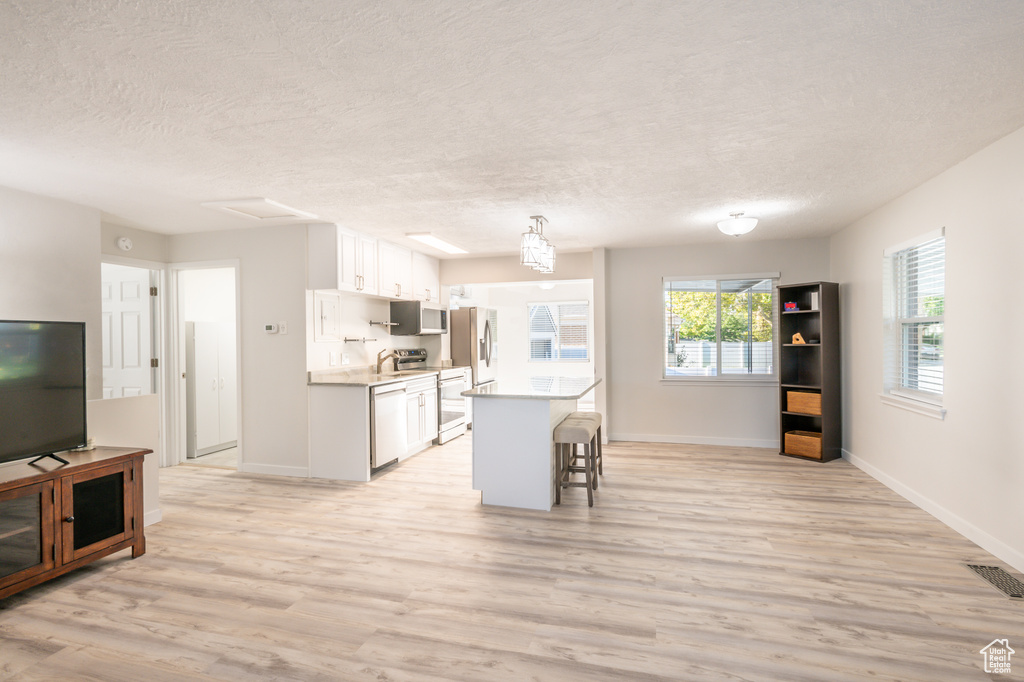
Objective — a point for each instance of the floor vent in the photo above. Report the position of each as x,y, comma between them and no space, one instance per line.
1000,579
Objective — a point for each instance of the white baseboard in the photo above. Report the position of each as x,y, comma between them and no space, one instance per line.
994,546
274,470
696,440
151,517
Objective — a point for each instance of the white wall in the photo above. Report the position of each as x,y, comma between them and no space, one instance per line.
356,312
272,261
147,246
641,405
132,422
577,265
50,268
967,470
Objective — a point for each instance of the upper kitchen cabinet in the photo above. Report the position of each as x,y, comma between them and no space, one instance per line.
341,259
426,277
395,271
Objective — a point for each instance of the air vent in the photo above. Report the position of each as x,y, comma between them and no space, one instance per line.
1000,579
260,209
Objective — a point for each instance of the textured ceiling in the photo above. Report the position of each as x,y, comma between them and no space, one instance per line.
634,122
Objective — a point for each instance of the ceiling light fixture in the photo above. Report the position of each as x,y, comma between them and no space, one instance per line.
535,251
436,242
735,226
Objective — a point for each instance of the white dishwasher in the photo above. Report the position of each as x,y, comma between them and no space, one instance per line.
389,432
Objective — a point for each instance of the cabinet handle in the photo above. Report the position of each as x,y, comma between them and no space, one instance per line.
399,288
69,519
428,294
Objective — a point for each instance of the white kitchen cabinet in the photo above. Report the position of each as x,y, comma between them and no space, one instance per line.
366,265
341,259
426,277
469,401
210,390
339,432
395,271
421,414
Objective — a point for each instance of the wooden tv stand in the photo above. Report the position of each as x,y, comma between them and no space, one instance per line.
56,517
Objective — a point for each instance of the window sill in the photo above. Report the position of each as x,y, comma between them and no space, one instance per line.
916,406
772,382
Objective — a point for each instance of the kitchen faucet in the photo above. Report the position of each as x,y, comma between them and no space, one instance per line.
381,360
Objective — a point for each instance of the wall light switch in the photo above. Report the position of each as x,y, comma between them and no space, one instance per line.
283,327
345,359
333,358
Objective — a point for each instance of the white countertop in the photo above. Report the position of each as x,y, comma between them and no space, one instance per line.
364,377
536,388
367,377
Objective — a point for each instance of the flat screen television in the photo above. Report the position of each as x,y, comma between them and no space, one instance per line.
42,388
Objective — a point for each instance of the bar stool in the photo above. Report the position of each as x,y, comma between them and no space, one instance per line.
596,418
568,434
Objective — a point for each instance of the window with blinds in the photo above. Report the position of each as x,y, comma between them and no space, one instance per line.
558,331
719,327
915,278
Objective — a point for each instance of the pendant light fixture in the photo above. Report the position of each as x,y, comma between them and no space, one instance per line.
535,251
737,225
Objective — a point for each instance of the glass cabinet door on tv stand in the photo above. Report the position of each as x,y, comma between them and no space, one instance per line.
26,532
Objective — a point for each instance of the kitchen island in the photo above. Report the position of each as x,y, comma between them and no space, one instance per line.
513,444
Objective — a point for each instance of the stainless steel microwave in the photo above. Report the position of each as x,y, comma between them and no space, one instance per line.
416,318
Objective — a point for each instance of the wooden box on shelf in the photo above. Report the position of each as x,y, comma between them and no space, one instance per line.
802,401
803,444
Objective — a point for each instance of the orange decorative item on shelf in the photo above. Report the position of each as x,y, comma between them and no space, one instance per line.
798,339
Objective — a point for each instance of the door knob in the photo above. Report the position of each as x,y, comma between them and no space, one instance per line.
69,519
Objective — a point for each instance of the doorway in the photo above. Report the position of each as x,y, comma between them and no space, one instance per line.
207,339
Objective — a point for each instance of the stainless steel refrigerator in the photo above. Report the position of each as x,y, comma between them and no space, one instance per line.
474,340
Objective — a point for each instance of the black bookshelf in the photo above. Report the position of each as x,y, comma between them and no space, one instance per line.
809,372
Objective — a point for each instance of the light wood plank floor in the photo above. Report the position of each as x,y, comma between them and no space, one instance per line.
695,563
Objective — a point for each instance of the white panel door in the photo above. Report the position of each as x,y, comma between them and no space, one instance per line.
127,348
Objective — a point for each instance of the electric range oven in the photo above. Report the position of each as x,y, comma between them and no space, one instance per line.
451,404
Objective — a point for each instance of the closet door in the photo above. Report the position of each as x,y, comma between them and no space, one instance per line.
203,386
228,387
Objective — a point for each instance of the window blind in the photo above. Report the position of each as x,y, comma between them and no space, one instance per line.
558,331
915,349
